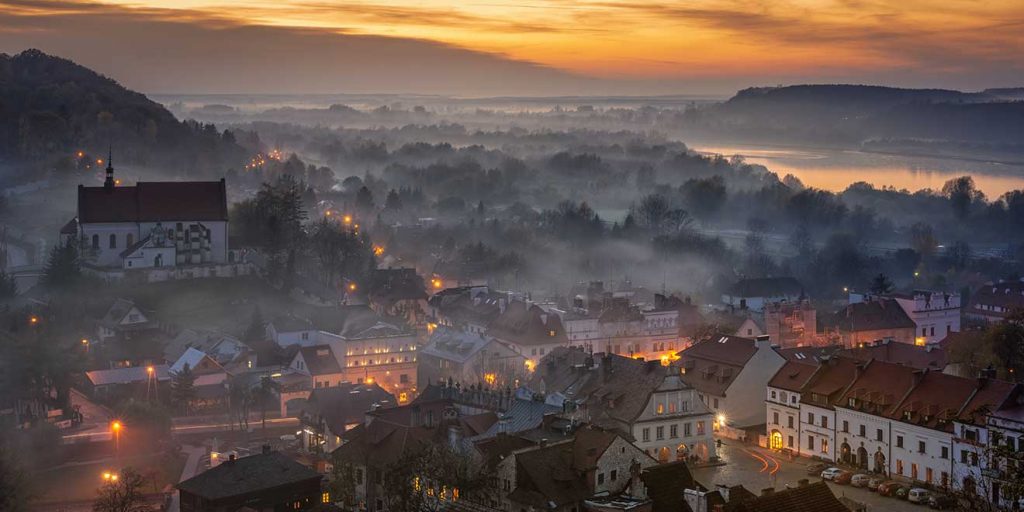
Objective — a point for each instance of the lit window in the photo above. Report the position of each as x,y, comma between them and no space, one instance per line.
325,497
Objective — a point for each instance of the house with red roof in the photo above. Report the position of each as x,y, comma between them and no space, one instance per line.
783,405
150,224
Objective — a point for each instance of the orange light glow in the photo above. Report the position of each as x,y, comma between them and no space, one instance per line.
347,219
149,370
490,378
327,213
80,154
33,319
378,250
115,426
85,341
352,287
436,283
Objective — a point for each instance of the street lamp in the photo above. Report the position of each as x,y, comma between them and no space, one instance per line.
85,343
116,428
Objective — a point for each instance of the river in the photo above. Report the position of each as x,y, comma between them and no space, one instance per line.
836,169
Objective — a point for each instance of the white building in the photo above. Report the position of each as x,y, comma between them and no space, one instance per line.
675,424
935,314
151,224
783,405
754,294
730,375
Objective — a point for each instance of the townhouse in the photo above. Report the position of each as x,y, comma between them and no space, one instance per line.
915,424
783,405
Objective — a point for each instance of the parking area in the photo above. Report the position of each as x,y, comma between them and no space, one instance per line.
757,469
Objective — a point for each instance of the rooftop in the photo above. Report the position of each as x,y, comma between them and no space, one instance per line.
166,201
248,475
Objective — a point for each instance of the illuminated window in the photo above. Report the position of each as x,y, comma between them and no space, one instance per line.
661,408
325,497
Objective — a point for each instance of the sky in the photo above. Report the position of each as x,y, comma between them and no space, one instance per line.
528,47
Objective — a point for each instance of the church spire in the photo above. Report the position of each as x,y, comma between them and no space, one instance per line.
108,184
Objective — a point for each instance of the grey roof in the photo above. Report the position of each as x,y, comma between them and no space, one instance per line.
455,345
247,475
346,404
320,360
222,347
352,322
521,416
117,312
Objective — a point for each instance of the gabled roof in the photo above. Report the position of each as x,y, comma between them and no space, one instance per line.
872,315
346,404
792,376
816,497
712,366
829,380
931,356
247,475
1005,294
118,310
320,360
455,345
154,201
524,324
193,358
665,484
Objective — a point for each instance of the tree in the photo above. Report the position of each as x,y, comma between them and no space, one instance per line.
257,330
1007,341
881,284
364,201
922,239
62,268
393,201
655,214
183,390
265,393
961,192
122,495
15,494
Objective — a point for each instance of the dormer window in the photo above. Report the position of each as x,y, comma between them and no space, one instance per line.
853,402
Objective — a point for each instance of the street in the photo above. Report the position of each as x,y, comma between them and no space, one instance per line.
756,469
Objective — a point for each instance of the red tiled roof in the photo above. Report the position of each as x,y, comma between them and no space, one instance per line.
1007,295
832,377
872,315
792,376
932,357
731,350
523,324
816,497
167,201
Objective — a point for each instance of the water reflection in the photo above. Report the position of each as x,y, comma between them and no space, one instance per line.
835,170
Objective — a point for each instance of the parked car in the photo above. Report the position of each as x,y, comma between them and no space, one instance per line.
888,488
941,502
902,492
919,495
874,483
843,478
860,480
830,473
816,469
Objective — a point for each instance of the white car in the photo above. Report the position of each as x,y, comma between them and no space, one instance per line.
918,495
830,473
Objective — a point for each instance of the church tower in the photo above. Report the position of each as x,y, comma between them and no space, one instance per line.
108,184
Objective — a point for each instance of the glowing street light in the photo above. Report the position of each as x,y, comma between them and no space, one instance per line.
352,287
33,320
347,219
116,428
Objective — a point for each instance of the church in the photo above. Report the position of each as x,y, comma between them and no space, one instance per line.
151,224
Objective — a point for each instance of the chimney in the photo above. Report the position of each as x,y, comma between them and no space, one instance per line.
762,341
544,443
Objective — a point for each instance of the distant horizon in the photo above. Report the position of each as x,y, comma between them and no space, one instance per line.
479,49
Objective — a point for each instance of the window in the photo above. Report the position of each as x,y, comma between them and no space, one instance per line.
899,441
913,471
647,434
810,418
924,331
305,335
810,442
899,467
659,409
614,475
789,442
863,431
129,240
533,352
403,378
824,421
773,395
113,241
325,497
659,433
945,452
789,420
775,417
673,431
824,446
878,435
928,475
846,426
963,456
921,447
687,431
700,428
716,403
359,476
95,241
600,478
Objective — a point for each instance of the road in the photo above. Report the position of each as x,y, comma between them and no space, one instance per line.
757,469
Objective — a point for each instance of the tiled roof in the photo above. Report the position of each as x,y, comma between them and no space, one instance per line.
126,375
934,401
712,366
829,380
320,360
792,376
1007,295
347,403
872,315
524,324
246,475
154,201
117,312
665,484
930,356
816,497
810,355
455,345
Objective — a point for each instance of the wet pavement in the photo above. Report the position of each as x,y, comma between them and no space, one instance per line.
756,469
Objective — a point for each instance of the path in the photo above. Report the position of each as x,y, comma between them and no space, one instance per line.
191,468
